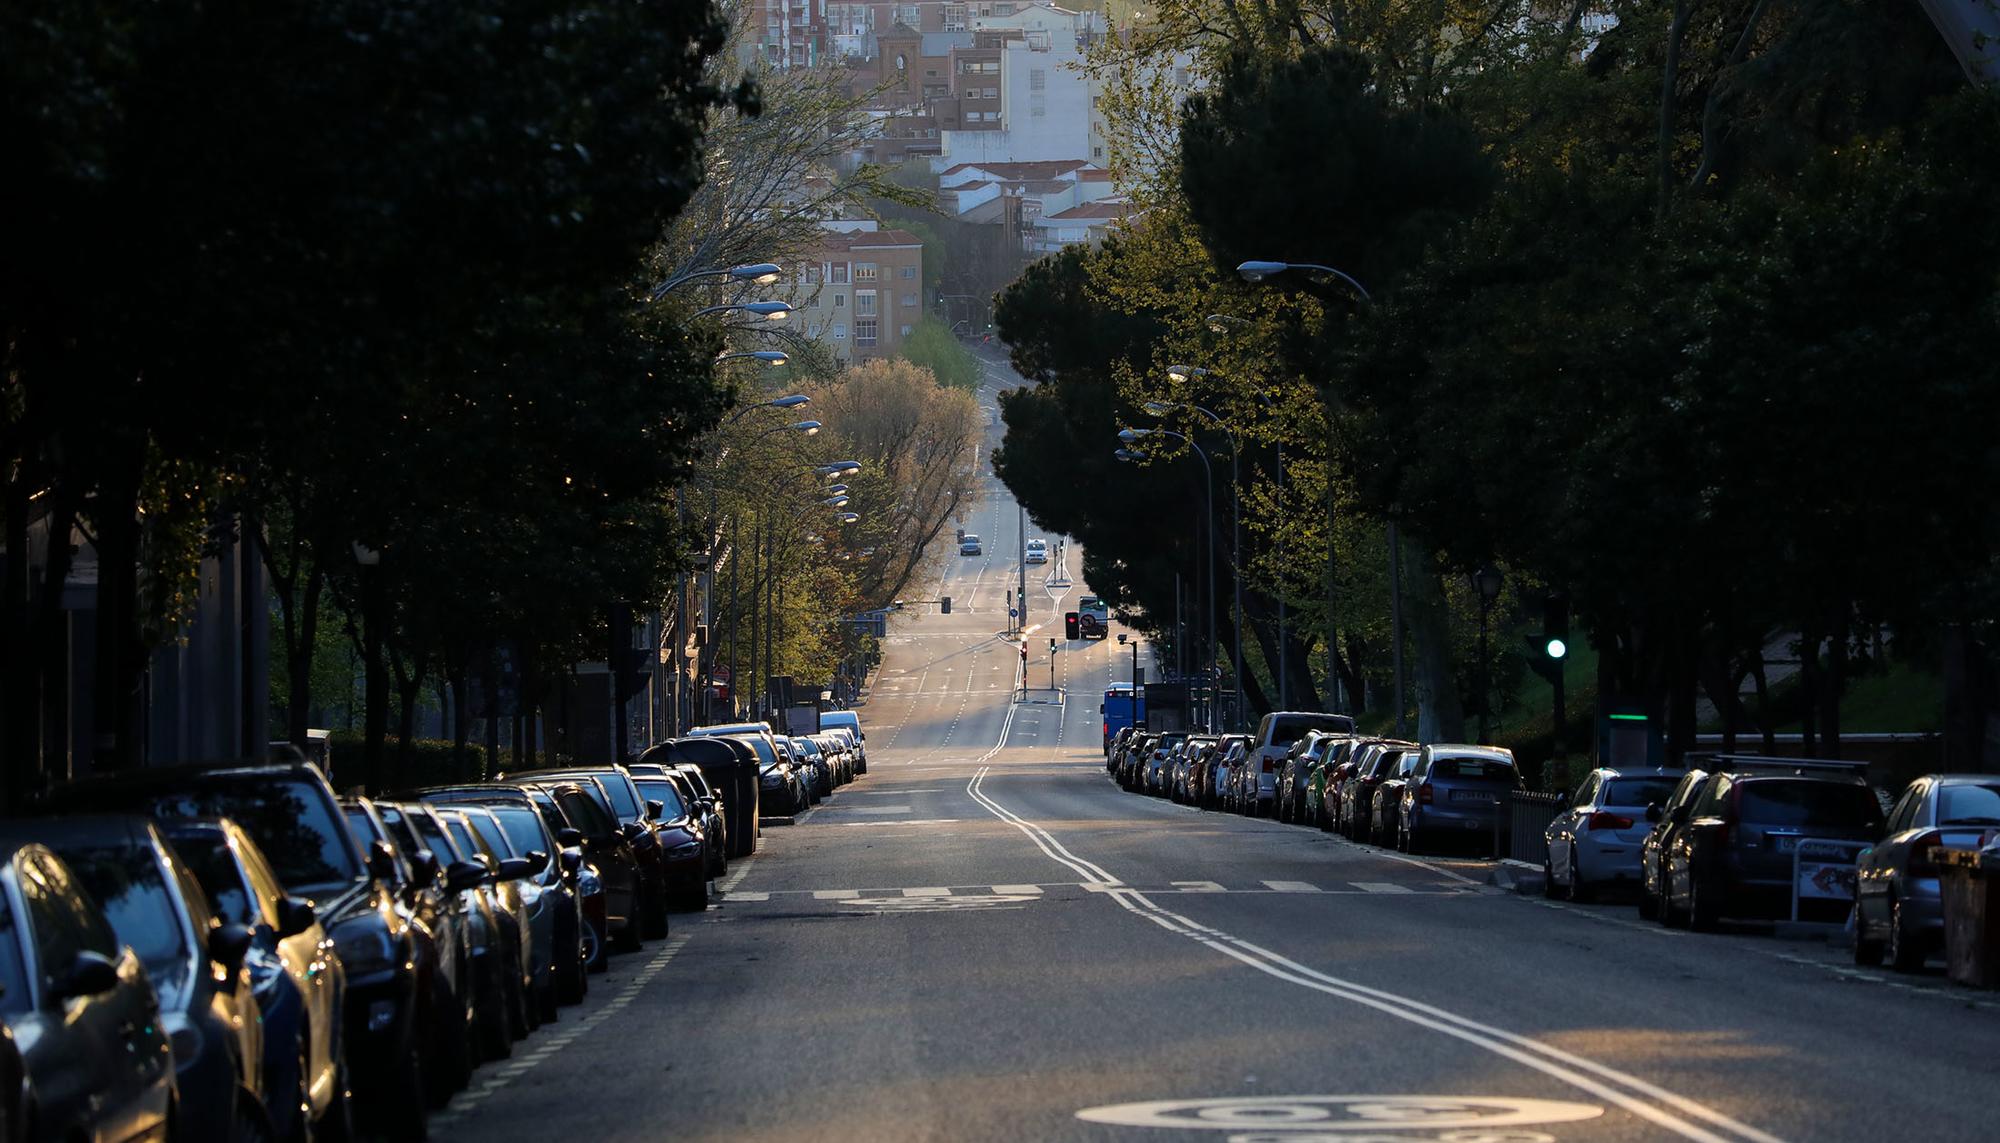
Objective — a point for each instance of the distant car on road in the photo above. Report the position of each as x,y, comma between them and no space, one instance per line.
968,545
1037,553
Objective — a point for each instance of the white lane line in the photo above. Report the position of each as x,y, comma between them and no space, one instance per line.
1198,886
746,895
927,891
1381,887
1018,890
836,894
1657,1105
1291,886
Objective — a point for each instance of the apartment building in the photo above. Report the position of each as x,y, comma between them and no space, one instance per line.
861,293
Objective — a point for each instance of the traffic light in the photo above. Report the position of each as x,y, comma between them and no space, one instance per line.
1052,645
1555,624
944,605
1071,626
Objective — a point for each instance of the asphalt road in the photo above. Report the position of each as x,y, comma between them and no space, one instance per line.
985,939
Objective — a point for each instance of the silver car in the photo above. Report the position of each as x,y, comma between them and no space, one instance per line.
1452,789
1896,911
1597,840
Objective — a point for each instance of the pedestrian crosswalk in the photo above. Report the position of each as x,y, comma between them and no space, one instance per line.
1023,891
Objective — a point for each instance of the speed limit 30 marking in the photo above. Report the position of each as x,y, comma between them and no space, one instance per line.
1353,1118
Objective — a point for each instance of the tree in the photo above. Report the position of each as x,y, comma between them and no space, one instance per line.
931,346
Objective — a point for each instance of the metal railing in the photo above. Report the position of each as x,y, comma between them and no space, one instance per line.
1528,815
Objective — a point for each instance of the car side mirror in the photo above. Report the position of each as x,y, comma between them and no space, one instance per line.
295,916
1653,811
381,861
656,809
572,860
228,945
538,860
1680,814
424,868
569,835
92,974
632,831
706,804
462,875
514,868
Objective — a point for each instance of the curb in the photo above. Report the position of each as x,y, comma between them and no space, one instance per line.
1826,932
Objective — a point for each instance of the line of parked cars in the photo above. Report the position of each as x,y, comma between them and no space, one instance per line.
238,954
1308,768
1723,839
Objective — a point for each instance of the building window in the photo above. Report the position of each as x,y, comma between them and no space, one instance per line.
838,274
906,271
864,302
929,73
840,301
1097,152
906,330
840,331
1038,112
812,331
909,299
814,272
954,17
1038,79
989,93
864,331
864,271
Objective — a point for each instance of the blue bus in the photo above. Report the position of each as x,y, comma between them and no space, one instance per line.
1121,710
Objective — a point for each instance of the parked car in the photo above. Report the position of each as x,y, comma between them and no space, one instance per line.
81,1012
1276,732
1375,761
702,804
553,891
290,811
522,872
806,754
1323,795
196,964
686,844
849,721
782,788
1454,790
467,881
1734,857
612,786
295,975
1666,817
731,769
1181,784
1155,768
440,944
1596,842
1295,773
1896,901
1383,812
1228,764
516,935
587,878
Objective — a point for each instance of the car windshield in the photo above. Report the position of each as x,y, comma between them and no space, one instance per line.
766,753
1636,791
469,842
1472,769
1969,805
14,998
662,790
1291,728
309,847
127,881
524,829
214,867
491,833
1806,803
586,813
443,848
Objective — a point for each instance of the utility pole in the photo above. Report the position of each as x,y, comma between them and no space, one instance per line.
1021,558
1396,619
1052,663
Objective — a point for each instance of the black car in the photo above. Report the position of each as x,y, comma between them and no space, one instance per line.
608,850
730,769
290,811
554,886
613,786
79,1008
1667,818
686,839
1733,858
441,941
584,881
495,949
715,815
158,909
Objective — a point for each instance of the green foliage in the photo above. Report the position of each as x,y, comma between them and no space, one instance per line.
932,346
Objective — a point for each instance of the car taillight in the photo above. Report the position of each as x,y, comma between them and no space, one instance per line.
1923,854
1270,767
1424,794
1603,820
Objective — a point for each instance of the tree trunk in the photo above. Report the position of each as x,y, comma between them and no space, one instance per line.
1766,728
1836,683
461,720
1351,675
375,687
409,689
121,654
1440,709
1669,84
31,623
1809,692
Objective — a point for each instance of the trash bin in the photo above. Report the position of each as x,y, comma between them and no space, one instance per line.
731,768
1969,883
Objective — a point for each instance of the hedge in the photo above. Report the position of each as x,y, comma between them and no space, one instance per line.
433,761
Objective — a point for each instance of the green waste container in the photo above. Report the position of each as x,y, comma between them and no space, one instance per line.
1969,883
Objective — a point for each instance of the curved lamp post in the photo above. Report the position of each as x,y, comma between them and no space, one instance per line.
772,357
1183,374
757,273
769,311
1132,437
1487,581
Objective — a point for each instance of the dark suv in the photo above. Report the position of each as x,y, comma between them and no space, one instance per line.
1733,858
291,813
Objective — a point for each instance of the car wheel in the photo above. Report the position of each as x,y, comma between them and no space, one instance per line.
1548,879
250,1123
1905,951
337,1125
451,1046
1649,905
595,950
401,1117
1867,950
697,897
656,915
1579,885
496,1039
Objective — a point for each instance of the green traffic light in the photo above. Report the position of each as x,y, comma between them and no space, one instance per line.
1557,648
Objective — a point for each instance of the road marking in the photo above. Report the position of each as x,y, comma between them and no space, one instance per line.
1292,886
1338,1115
1381,887
1657,1105
835,894
927,891
1018,890
881,809
1198,886
911,822
746,895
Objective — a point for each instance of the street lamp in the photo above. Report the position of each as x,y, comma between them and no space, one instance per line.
1132,436
838,469
791,402
1182,373
848,517
1222,323
772,357
755,273
1135,680
1257,271
769,311
803,428
1487,582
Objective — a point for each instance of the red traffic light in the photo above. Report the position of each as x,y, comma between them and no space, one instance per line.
1071,625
